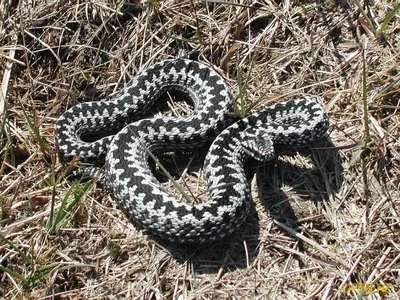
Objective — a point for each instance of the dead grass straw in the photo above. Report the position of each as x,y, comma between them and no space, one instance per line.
324,225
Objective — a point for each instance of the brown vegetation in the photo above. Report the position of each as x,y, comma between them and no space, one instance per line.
322,222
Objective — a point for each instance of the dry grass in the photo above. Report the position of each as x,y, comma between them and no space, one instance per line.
320,222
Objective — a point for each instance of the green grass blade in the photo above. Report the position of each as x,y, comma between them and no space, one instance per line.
13,274
241,95
18,250
45,271
52,225
371,24
53,183
3,120
65,210
2,130
5,220
242,85
388,18
42,143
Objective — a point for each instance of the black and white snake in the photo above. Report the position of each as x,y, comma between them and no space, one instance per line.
127,172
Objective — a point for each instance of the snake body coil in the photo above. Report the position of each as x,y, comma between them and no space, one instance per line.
127,172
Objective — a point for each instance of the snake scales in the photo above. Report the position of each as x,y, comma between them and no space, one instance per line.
127,172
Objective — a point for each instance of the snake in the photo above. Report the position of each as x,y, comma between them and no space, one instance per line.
118,137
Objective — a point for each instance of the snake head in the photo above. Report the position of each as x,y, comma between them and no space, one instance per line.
256,143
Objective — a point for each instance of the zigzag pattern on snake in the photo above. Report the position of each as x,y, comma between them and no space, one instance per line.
127,172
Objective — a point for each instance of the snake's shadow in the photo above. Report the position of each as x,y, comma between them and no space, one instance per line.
318,183
241,249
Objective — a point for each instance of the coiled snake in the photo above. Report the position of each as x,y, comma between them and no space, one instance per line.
127,172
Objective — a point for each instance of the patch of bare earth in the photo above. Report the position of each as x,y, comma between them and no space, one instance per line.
325,224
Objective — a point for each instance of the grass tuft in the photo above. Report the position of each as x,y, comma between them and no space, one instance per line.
77,193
